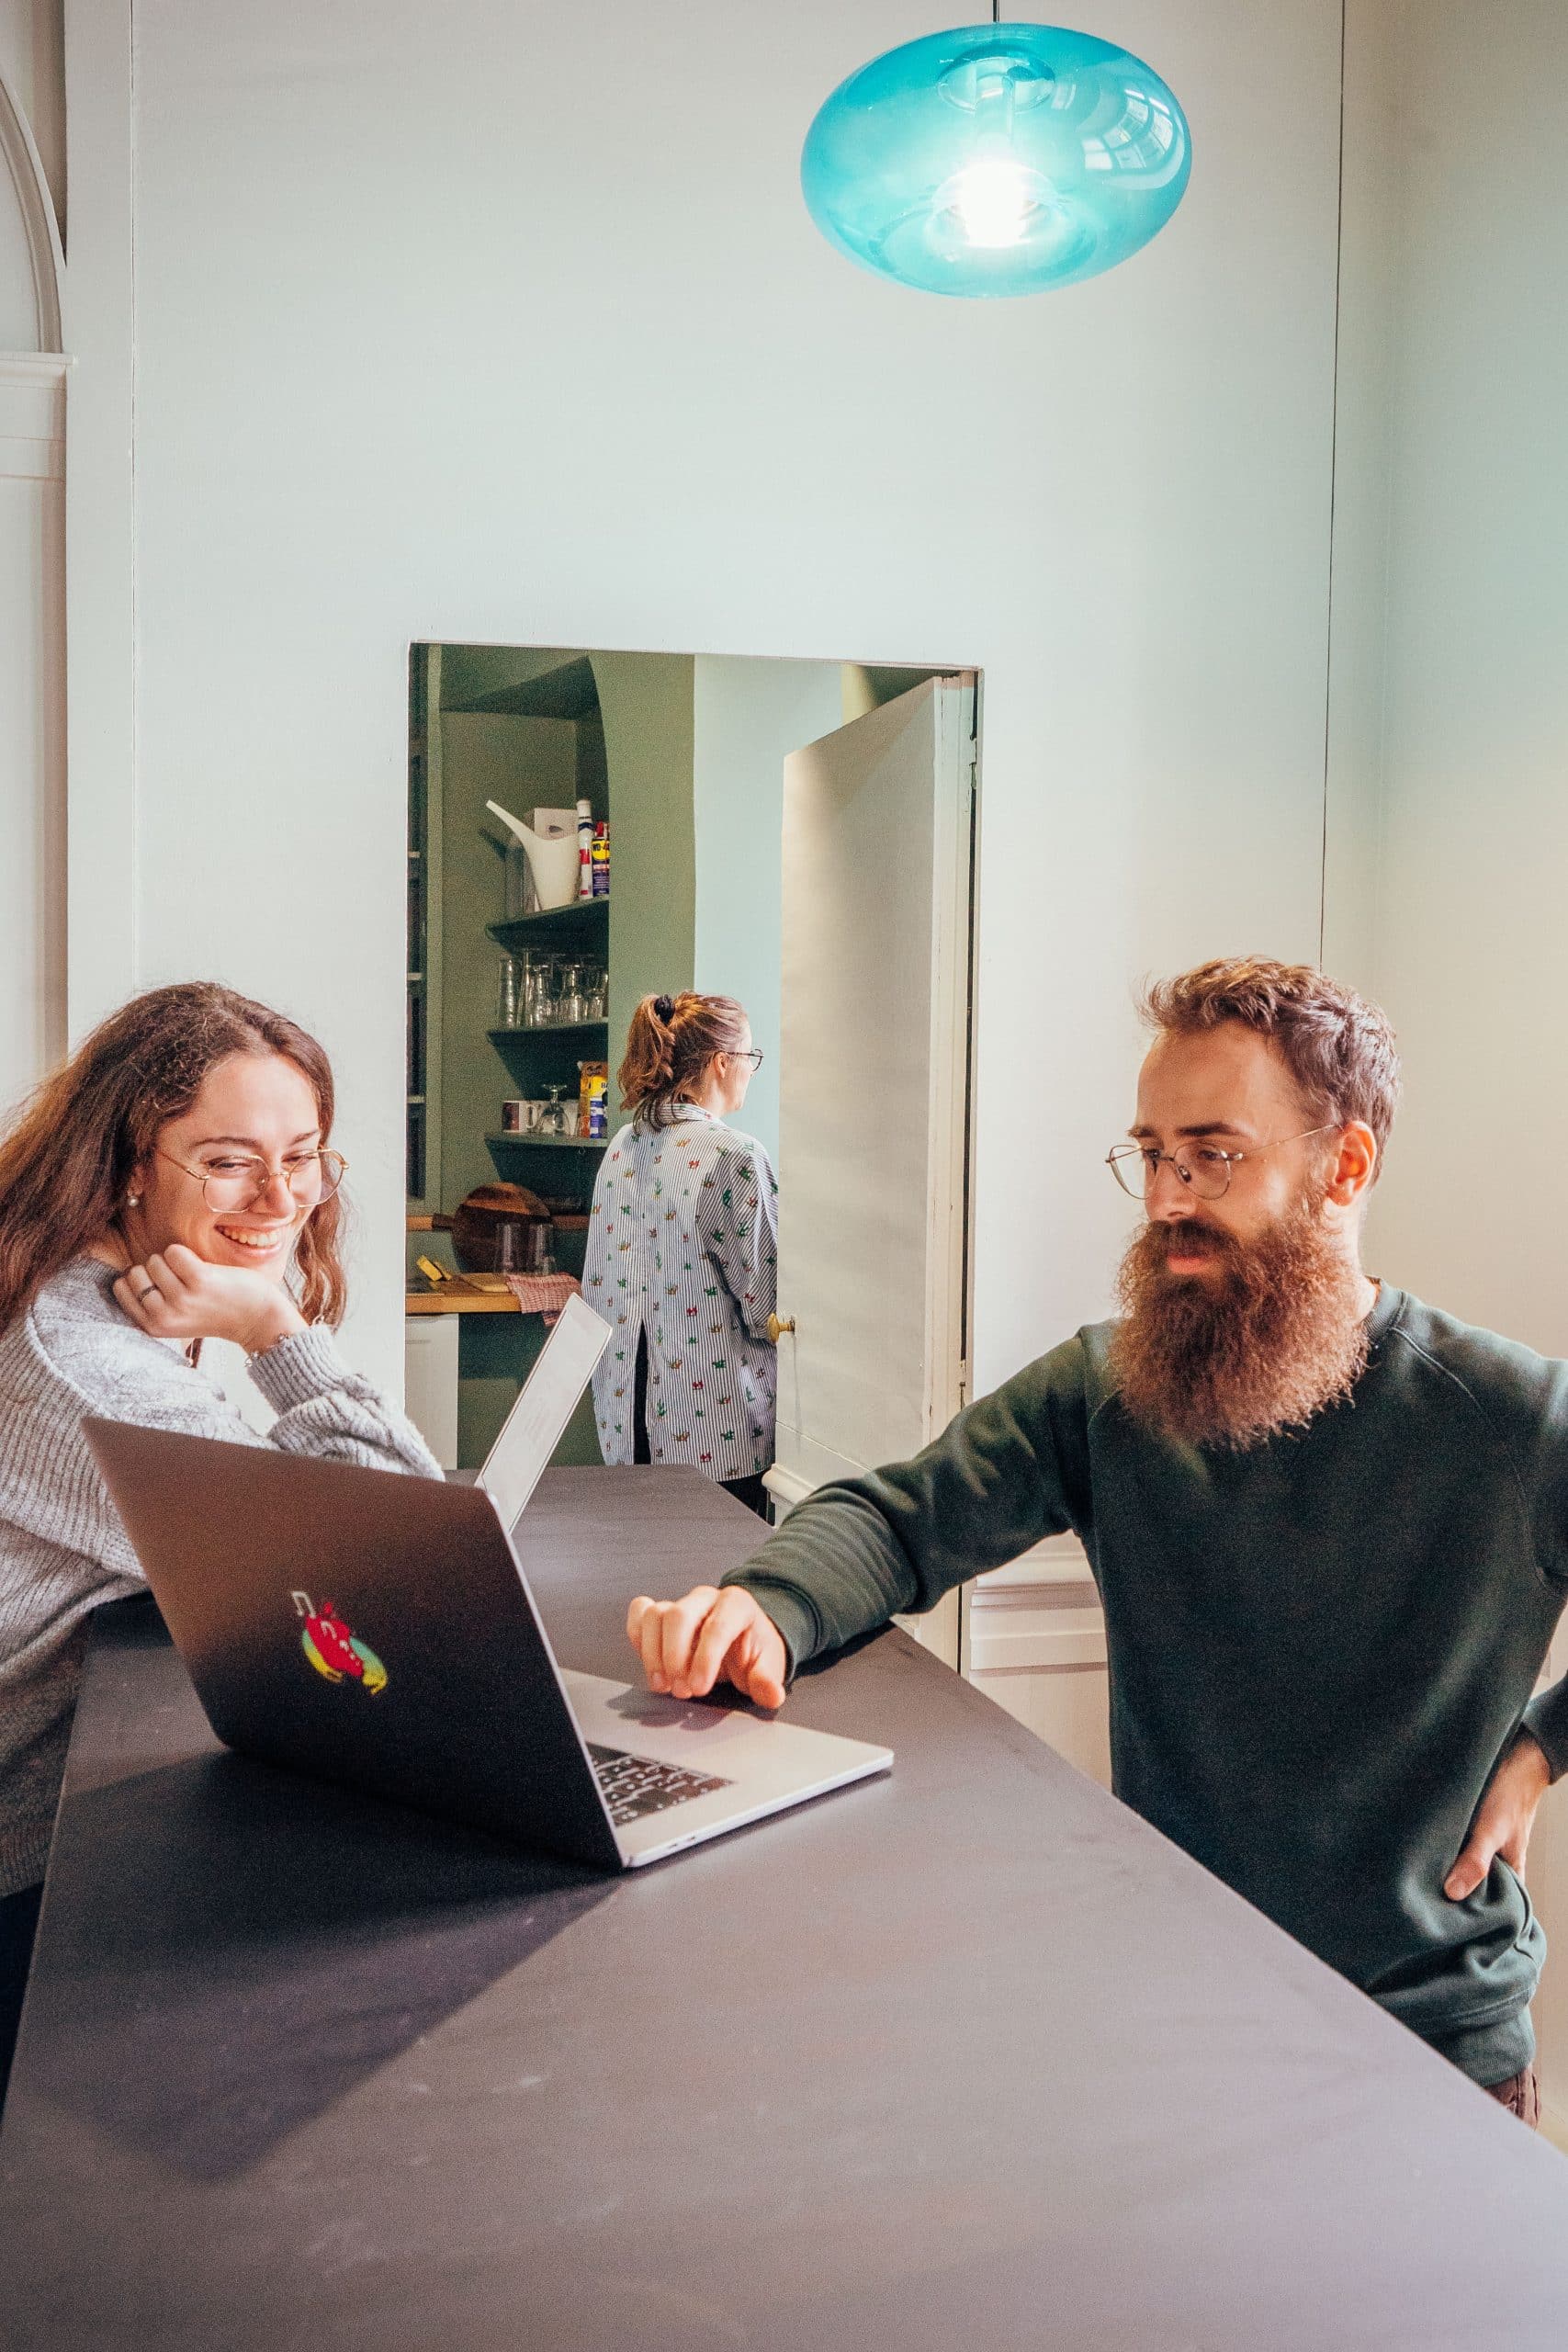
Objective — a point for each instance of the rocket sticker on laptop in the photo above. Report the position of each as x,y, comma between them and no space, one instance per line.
337,1653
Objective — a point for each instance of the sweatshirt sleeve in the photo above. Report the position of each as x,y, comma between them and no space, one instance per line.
1546,1479
738,1226
1010,1470
1533,1407
1546,1719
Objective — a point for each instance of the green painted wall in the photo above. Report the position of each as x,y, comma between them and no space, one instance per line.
633,760
468,672
646,701
523,764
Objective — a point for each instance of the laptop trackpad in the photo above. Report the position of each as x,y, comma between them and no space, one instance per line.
752,1764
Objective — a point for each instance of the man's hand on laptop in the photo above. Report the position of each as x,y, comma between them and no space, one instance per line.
687,1645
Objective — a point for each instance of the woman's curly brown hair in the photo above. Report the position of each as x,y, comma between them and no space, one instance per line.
69,1159
670,1044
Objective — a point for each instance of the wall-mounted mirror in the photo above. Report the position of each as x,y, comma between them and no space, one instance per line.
797,836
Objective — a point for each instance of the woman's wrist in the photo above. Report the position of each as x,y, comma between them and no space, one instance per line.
279,1321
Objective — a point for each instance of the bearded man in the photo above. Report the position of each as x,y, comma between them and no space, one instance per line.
1328,1526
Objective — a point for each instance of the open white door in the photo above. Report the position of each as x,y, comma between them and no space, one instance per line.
874,1114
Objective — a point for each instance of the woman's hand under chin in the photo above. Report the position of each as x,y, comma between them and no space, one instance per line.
177,1295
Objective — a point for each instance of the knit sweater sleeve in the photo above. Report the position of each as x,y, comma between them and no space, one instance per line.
1007,1472
322,1409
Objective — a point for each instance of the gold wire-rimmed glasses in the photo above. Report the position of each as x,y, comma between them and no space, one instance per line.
1204,1168
237,1180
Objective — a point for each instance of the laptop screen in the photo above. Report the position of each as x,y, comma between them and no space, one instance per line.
533,1429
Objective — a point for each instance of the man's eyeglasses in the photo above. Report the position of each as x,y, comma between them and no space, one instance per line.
237,1182
1204,1168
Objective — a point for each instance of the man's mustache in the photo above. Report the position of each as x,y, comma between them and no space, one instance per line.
1192,1240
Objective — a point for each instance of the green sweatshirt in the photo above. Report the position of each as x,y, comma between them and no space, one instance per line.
1318,1649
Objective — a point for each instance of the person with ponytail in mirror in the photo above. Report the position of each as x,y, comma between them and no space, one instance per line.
174,1181
681,1256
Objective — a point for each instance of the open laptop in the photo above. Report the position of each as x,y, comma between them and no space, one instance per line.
545,1404
377,1630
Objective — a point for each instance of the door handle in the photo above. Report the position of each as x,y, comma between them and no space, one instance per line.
777,1329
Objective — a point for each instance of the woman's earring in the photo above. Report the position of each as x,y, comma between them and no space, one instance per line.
133,1200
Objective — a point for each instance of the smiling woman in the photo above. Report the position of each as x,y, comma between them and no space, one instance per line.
172,1182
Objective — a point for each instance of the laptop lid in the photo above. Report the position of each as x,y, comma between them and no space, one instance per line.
367,1627
534,1427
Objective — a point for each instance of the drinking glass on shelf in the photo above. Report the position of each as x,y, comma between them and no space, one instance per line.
524,988
556,1119
596,993
506,999
571,1012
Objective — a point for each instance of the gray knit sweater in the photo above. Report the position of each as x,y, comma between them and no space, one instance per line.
63,1548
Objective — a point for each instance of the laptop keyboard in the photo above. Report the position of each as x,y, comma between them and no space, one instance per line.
635,1785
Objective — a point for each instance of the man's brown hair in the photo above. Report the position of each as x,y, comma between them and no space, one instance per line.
1338,1047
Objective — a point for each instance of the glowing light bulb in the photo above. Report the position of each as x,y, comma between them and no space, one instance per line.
994,197
996,159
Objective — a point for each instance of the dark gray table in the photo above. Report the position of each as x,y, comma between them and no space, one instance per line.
966,2058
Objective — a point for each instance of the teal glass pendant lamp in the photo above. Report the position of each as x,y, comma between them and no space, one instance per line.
996,159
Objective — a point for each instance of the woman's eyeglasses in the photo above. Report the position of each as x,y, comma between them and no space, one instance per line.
753,1054
237,1182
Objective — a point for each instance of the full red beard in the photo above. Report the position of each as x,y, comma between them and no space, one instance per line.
1237,1358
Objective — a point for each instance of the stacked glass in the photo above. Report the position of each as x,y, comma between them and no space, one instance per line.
537,991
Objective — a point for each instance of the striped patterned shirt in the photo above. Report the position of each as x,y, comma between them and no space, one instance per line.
683,1243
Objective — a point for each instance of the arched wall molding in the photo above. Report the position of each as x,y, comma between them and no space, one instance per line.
26,170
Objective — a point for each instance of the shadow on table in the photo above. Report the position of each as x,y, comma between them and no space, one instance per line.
272,1943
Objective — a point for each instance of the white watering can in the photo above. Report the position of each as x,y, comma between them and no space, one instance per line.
555,862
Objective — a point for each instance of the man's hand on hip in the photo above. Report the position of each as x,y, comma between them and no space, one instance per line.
688,1646
1502,1818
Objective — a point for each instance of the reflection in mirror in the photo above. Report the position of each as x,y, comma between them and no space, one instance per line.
743,888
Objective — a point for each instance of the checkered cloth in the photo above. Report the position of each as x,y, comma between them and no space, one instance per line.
542,1295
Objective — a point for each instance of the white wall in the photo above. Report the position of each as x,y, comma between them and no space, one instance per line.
32,63
521,335
32,567
32,722
748,717
1473,944
1471,955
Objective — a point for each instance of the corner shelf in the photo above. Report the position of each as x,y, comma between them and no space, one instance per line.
548,1143
534,1030
581,923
